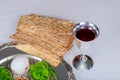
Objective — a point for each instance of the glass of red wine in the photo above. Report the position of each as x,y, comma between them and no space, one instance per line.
84,33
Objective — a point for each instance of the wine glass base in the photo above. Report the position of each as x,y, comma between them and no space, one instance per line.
79,64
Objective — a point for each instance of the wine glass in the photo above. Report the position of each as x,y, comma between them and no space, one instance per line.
85,33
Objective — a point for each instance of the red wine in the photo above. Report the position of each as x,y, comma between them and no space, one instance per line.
85,34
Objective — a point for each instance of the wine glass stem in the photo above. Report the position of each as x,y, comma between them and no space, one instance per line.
84,52
83,57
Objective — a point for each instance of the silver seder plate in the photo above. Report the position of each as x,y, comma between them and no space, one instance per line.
8,52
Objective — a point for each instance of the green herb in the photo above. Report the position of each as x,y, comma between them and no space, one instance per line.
42,71
5,74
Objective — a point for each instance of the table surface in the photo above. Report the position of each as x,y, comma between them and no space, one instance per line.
105,51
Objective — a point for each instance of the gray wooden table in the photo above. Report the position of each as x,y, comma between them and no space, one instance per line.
104,13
